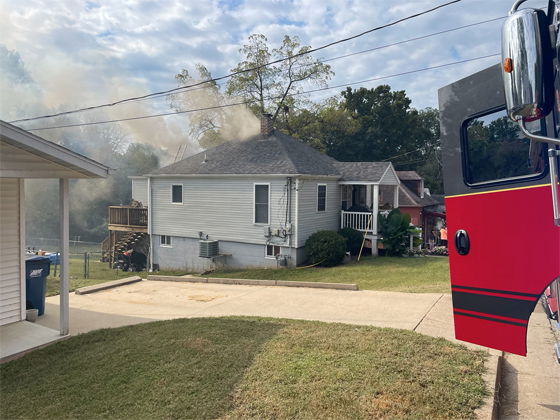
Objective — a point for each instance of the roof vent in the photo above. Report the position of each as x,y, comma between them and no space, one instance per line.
205,159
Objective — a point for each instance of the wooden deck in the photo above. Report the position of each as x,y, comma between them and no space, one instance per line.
128,219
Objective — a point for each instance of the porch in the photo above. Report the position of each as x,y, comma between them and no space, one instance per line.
361,203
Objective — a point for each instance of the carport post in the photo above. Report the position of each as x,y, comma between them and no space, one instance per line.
64,255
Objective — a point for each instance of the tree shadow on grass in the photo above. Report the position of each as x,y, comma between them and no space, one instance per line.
184,368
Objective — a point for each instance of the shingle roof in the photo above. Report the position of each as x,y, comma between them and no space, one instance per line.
362,171
276,154
409,176
407,198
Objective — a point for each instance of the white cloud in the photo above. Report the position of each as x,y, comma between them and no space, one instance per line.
81,53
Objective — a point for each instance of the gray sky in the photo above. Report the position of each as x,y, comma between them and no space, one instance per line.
58,55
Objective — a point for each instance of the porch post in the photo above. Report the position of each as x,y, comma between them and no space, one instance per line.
396,197
375,211
64,255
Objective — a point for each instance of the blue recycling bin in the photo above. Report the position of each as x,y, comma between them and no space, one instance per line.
37,269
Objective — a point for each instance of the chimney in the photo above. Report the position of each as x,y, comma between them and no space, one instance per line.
266,125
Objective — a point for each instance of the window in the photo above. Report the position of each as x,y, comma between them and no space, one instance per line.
177,194
321,197
165,240
496,151
261,203
272,251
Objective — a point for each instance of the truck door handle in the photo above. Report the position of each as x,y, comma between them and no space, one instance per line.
462,242
552,158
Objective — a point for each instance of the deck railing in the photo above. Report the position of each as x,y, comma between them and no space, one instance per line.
356,220
128,216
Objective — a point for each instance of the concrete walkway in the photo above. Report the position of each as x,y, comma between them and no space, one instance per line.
531,392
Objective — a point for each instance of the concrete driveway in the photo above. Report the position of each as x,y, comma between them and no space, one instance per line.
157,300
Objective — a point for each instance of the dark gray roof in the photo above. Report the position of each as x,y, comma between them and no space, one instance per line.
407,198
409,176
276,154
362,171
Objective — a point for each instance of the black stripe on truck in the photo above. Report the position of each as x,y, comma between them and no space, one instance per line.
493,305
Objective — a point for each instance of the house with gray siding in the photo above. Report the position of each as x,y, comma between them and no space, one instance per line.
260,199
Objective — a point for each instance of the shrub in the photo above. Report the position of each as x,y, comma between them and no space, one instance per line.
353,240
395,230
326,248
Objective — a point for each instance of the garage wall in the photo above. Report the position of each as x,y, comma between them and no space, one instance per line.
10,251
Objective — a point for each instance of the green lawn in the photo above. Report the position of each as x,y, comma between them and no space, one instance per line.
98,273
418,274
232,368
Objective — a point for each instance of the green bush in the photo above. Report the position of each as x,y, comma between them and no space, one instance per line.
353,240
327,248
395,230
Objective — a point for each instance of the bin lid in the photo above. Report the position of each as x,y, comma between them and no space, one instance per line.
37,258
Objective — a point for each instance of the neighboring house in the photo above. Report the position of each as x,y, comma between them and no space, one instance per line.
260,199
24,155
423,208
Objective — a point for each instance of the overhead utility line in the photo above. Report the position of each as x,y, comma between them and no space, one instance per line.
377,28
277,97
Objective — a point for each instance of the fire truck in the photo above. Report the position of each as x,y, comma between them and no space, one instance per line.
500,145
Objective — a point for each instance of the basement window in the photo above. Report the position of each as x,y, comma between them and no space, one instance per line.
272,251
165,240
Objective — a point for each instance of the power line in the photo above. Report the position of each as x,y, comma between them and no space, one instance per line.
368,50
270,98
312,50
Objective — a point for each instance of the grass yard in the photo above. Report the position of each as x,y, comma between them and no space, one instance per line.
98,273
418,275
232,368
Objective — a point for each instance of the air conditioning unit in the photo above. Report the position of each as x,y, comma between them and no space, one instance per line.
208,249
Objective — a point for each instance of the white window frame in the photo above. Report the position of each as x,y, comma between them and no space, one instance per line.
272,257
254,203
182,194
164,243
326,194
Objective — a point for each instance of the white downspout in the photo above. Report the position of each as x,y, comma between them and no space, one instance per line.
151,262
375,210
64,255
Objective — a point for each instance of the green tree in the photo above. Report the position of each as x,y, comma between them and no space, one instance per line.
273,88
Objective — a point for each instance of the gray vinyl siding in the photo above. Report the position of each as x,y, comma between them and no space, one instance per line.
390,177
10,251
221,208
140,190
309,219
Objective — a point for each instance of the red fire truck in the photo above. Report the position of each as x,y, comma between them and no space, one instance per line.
500,143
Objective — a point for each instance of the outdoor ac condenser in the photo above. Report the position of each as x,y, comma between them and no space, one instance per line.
208,249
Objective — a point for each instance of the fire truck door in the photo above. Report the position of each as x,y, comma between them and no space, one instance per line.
504,248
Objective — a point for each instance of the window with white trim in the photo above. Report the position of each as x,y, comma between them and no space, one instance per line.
321,197
272,251
262,203
165,240
177,194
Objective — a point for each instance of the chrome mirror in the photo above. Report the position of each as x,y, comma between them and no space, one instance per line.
526,64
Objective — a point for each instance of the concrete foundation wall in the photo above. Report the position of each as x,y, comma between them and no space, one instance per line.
183,255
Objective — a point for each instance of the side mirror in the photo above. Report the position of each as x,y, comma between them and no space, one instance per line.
527,65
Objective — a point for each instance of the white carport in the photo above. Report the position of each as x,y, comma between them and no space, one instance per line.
22,156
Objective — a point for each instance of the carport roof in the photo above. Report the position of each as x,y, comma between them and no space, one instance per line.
26,155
